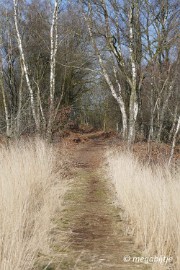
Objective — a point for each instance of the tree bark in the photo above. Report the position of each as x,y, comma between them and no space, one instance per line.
118,97
173,124
162,113
24,65
133,106
174,141
18,117
7,116
53,51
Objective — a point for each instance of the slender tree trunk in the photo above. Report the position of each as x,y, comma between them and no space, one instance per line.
61,96
54,45
122,107
24,65
162,114
173,124
12,87
133,111
133,106
40,111
174,141
18,117
7,116
151,127
118,97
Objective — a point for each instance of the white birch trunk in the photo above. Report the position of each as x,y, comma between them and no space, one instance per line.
121,106
24,64
18,118
41,109
133,106
54,45
151,128
174,141
118,97
174,123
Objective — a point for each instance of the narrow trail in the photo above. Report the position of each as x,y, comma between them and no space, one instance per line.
91,232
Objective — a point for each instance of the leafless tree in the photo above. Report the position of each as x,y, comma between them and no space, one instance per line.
114,41
24,65
53,52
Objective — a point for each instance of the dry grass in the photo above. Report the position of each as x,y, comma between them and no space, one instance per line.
150,198
29,194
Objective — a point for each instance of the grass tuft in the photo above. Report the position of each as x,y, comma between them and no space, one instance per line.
29,195
150,198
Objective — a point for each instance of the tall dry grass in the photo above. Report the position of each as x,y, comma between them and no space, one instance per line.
29,195
150,198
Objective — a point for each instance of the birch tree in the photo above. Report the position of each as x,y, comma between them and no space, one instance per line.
19,110
113,40
174,140
24,65
116,94
162,62
53,52
134,30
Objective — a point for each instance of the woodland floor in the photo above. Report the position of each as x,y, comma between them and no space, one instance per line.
89,232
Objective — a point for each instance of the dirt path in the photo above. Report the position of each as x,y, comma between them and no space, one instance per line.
89,233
